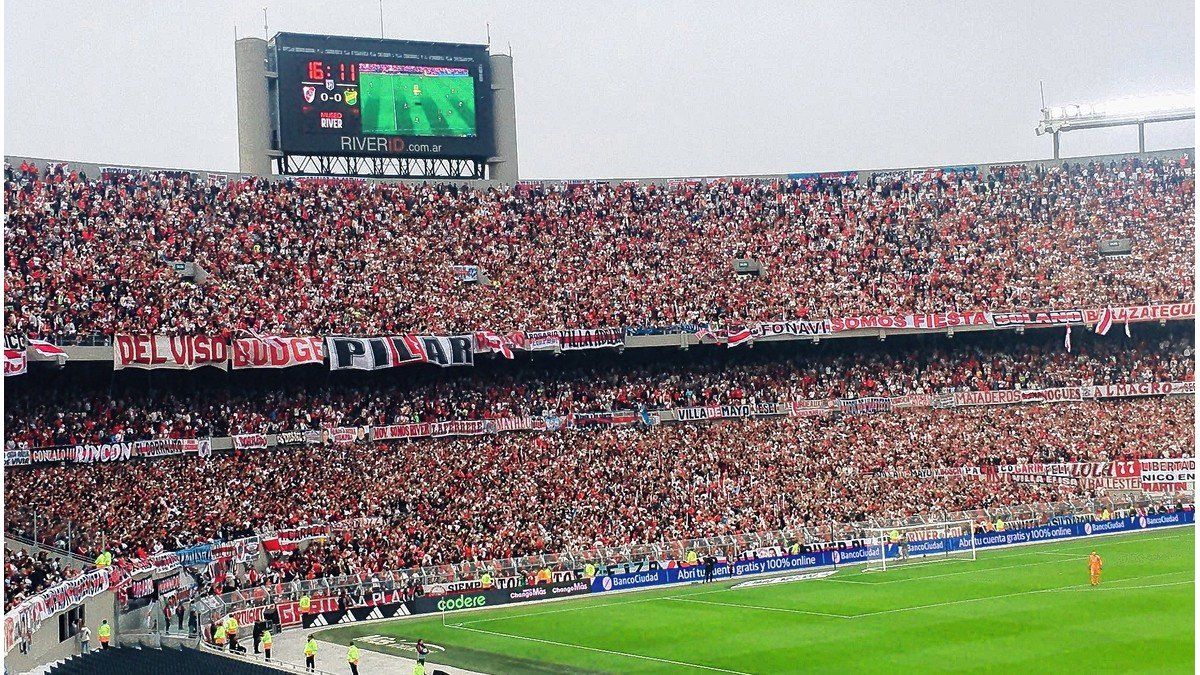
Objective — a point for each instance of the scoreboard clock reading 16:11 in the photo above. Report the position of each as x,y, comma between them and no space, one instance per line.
368,97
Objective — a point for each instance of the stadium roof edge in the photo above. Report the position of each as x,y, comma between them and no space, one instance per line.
94,168
322,36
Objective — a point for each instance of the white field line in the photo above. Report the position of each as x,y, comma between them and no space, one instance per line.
574,608
1072,587
762,608
1008,595
1102,587
977,570
598,649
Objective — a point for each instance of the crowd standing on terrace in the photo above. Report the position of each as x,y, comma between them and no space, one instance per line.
444,500
40,413
87,255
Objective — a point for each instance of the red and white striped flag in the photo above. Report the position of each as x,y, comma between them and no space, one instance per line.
490,341
14,362
740,336
40,350
1067,342
1105,322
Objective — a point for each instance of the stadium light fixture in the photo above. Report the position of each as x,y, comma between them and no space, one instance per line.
1129,111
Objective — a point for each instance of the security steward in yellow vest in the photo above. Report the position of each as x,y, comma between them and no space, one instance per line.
305,603
219,636
310,654
105,633
267,641
231,633
485,581
352,658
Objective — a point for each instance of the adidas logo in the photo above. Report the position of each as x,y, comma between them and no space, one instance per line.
375,614
319,621
348,618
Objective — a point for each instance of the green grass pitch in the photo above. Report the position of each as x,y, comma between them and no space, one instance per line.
417,105
1017,610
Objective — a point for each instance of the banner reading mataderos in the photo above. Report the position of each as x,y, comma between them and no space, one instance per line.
183,352
277,352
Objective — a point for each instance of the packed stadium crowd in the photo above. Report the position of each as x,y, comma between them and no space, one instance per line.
88,255
27,575
450,499
44,414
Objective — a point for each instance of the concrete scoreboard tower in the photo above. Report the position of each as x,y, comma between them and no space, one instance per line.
317,105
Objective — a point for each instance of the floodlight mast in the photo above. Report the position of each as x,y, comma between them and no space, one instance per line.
1140,111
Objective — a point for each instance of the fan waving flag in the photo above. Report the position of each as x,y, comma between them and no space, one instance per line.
40,350
1067,341
740,336
1105,322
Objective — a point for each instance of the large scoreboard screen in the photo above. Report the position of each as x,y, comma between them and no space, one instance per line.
369,97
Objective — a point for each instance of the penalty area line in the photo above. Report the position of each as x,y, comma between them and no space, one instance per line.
600,650
1057,589
761,608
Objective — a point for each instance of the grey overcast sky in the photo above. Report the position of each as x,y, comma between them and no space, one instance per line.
622,88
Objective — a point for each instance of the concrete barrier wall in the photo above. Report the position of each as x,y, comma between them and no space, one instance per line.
46,648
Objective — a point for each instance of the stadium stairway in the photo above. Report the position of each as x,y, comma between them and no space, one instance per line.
151,661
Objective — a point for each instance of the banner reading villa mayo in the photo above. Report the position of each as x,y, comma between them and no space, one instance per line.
182,352
277,352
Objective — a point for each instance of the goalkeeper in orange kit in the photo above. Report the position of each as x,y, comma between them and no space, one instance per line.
1095,564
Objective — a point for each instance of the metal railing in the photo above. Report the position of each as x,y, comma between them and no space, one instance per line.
745,545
